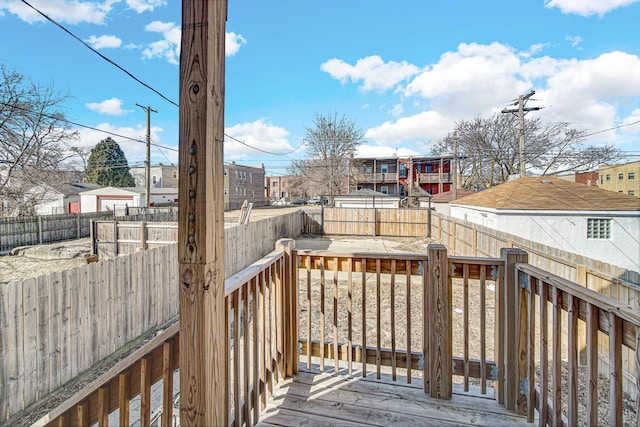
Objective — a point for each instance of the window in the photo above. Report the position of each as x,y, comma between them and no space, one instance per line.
620,176
368,169
174,174
632,175
236,191
154,179
403,170
632,193
598,228
244,175
384,189
274,184
384,169
608,177
251,177
601,179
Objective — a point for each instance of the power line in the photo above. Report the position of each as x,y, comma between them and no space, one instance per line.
261,150
85,44
613,128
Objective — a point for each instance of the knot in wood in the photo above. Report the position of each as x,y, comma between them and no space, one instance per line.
187,277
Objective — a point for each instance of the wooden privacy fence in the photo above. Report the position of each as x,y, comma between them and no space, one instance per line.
34,230
56,326
374,222
260,327
244,243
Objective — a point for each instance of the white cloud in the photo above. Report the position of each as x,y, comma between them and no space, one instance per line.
372,71
587,7
169,47
112,107
397,110
145,5
103,42
575,41
257,134
63,11
233,42
134,150
425,125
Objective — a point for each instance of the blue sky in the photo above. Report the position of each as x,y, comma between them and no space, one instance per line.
403,71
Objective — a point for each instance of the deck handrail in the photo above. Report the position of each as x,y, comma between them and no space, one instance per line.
619,323
259,288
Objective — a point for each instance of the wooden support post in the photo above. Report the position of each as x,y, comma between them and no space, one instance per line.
515,332
78,226
115,238
92,236
204,376
581,278
143,235
439,305
289,311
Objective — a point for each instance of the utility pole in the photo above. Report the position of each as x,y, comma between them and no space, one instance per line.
147,163
455,166
521,110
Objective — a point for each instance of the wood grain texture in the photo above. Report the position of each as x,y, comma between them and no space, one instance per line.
203,342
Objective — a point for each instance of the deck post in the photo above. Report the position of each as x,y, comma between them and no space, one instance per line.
289,307
512,302
439,330
204,359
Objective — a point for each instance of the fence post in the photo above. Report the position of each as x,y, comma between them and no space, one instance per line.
439,330
78,225
40,229
115,237
143,235
289,308
513,302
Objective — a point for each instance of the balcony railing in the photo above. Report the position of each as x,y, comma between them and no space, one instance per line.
433,178
377,177
492,322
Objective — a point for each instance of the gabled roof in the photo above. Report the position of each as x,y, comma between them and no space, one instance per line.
75,188
115,191
447,196
549,193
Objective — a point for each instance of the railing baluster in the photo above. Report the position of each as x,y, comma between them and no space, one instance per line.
544,357
145,391
255,347
263,341
393,319
167,382
82,414
378,313
349,316
268,356
556,377
336,356
309,352
592,364
103,406
572,349
408,285
364,317
465,297
246,354
236,358
615,369
124,398
322,355
483,330
531,344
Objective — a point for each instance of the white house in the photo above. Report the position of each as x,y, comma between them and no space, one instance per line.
585,220
110,198
366,198
61,198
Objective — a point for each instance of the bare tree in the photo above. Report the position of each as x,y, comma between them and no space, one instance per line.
331,144
488,149
34,138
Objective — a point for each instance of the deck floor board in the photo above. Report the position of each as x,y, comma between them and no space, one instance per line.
320,399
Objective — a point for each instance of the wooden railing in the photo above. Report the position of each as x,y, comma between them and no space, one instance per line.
403,318
547,306
426,317
260,331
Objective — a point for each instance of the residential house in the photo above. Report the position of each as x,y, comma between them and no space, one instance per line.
112,199
621,178
404,176
62,198
278,187
586,178
243,183
585,220
161,176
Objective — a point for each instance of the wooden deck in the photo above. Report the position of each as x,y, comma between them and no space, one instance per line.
312,398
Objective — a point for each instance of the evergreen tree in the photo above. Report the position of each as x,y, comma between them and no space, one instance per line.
107,165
